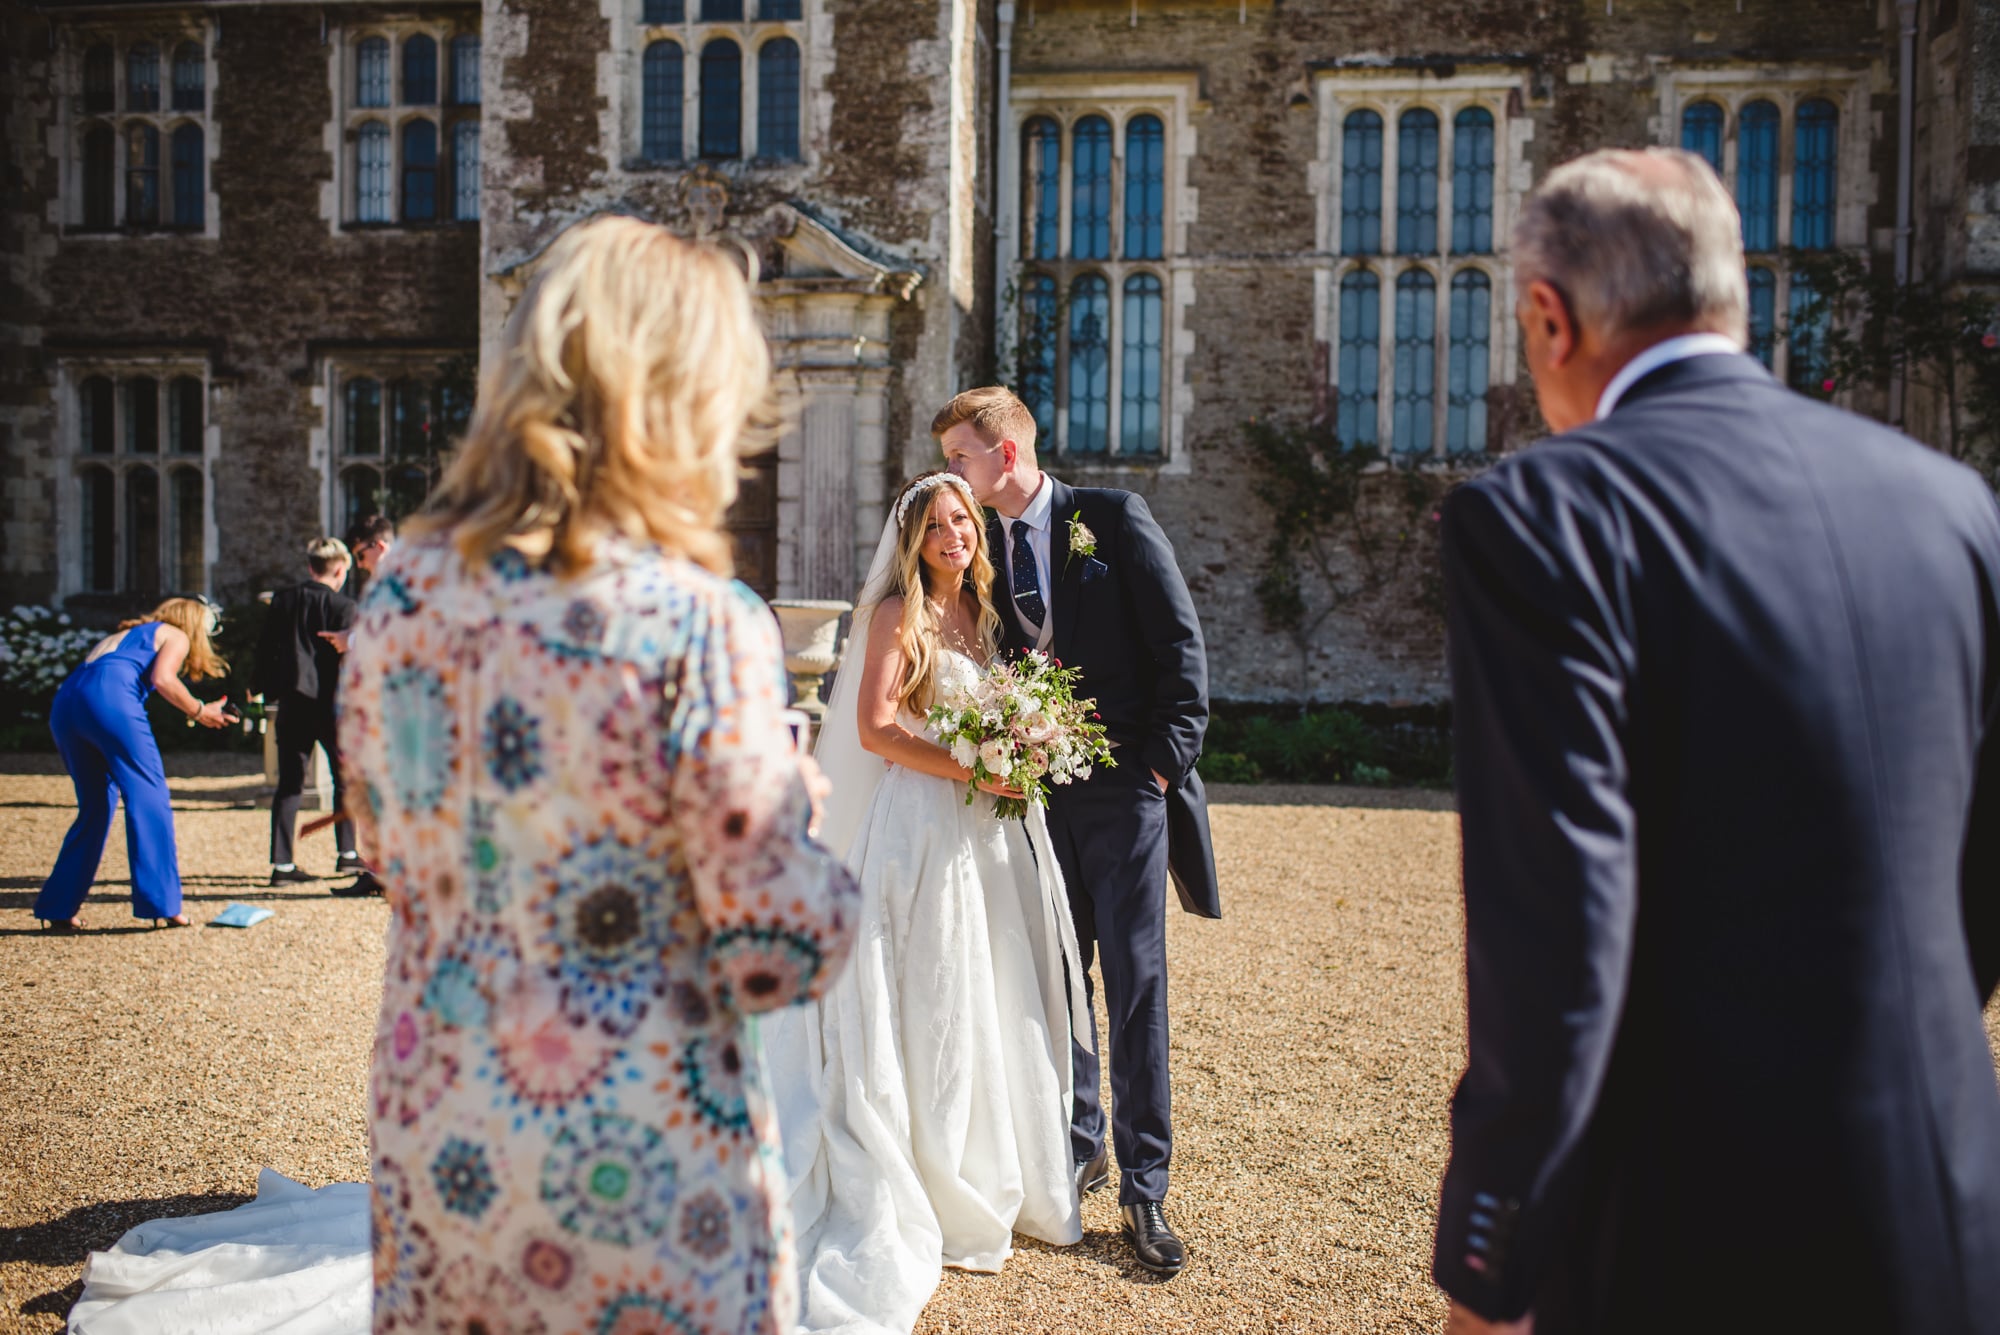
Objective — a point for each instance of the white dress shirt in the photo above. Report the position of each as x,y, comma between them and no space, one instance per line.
1039,517
1664,353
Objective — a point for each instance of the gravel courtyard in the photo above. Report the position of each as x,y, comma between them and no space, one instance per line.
1317,1031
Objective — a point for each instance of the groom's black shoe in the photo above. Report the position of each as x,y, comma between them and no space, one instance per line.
1093,1174
1153,1241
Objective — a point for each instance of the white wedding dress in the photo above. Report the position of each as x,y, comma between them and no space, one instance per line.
925,1100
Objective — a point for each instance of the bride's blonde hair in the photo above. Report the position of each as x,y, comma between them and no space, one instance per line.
631,379
919,631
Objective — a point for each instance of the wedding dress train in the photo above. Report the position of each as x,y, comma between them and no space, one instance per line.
925,1101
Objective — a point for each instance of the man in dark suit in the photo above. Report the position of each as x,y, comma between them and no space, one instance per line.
298,669
1726,685
1085,574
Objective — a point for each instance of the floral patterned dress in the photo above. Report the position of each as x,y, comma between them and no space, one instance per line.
588,818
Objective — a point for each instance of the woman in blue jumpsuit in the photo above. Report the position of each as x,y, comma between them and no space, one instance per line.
100,725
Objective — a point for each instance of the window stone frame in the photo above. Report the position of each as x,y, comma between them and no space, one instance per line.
167,34
630,38
342,201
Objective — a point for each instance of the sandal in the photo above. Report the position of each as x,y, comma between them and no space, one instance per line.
178,920
61,926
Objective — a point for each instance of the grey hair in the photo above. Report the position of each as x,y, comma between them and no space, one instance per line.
1632,246
323,554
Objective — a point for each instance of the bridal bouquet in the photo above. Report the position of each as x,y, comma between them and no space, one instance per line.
1021,724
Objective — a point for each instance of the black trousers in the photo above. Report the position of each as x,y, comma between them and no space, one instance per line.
1110,835
304,723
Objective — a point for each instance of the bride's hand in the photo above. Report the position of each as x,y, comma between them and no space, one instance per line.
999,789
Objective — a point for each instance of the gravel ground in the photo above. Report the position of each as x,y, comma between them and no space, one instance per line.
1316,1036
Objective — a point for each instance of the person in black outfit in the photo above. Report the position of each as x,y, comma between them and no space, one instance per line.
1725,675
298,669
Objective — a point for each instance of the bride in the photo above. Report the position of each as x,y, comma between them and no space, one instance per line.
925,1101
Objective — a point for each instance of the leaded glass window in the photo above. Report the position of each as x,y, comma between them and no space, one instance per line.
1763,314
659,12
190,78
465,171
1090,189
1472,182
1139,366
1417,182
142,415
1145,188
721,95
99,530
1757,176
1701,133
1359,368
420,171
1806,340
372,188
142,530
98,428
371,73
142,175
660,128
100,173
721,11
1361,184
186,513
1815,153
1471,333
100,80
1040,333
184,415
1416,363
142,78
190,173
1089,365
465,70
420,70
1041,176
778,100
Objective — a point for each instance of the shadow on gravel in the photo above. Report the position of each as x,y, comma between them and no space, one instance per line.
1329,795
1106,1247
88,1228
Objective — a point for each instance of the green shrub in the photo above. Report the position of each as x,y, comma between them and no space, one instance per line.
1229,767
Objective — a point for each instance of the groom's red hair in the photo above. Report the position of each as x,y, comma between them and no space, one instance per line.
995,412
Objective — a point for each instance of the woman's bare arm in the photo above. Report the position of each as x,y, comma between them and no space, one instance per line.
881,679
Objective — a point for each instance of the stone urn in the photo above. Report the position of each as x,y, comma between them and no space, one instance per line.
811,628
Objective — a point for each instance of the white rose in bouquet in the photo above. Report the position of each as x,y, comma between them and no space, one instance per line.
964,751
1034,726
997,756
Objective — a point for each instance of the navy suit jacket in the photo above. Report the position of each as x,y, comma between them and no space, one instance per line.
1124,620
1726,695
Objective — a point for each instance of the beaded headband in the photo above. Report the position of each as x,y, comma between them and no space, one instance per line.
928,483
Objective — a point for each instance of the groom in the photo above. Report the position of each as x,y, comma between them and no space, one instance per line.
1086,575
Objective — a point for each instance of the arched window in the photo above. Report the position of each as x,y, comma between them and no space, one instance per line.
1139,369
371,73
1359,368
1090,363
410,423
778,11
372,188
1472,182
100,170
361,428
190,174
420,171
142,78
186,514
1416,363
1090,190
1361,184
100,530
778,100
1041,178
420,70
142,530
721,97
661,95
360,495
97,428
142,175
1701,133
100,80
1763,314
184,415
1467,368
1037,359
190,78
1805,338
721,11
1815,151
465,171
1757,176
142,415
465,70
1417,182
656,12
1145,187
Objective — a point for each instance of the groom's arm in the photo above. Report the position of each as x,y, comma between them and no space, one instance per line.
1541,659
1172,632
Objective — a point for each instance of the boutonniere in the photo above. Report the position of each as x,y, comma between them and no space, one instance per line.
1082,542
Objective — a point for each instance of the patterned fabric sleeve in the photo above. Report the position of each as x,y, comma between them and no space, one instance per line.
779,906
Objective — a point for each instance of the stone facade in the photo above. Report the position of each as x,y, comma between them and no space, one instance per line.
1162,219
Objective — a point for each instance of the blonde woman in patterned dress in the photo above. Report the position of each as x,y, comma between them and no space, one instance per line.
591,824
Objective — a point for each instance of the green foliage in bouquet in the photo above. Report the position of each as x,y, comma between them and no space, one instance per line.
1021,725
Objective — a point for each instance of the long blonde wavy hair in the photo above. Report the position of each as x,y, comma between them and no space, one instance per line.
920,633
191,617
631,380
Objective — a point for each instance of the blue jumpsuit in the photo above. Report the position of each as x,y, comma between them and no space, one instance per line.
100,725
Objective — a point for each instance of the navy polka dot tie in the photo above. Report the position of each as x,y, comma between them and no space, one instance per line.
1027,581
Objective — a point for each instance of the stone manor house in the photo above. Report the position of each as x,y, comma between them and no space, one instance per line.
253,248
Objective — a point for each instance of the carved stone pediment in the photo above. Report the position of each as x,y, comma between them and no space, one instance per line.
816,254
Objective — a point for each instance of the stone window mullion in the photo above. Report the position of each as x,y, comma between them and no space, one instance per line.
1392,157
1065,192
1114,337
1441,350
1447,113
1787,166
1385,356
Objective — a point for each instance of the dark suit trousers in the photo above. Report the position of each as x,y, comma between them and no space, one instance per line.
304,723
1110,836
